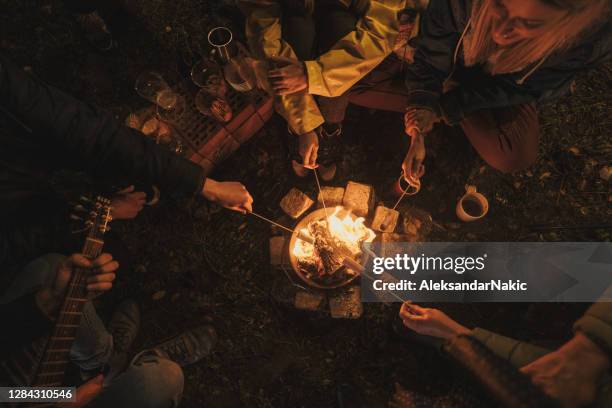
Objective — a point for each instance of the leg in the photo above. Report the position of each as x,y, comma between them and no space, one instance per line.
299,32
333,23
150,381
93,345
506,138
383,88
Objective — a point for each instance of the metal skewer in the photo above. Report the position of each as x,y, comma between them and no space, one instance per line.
320,192
300,235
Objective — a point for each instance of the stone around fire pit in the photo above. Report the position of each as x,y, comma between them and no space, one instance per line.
277,254
332,196
385,219
312,301
346,304
295,203
417,223
359,198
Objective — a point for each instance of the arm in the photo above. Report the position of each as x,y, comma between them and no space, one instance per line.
92,140
264,33
434,53
482,91
357,53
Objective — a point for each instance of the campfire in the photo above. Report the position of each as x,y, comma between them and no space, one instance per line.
335,236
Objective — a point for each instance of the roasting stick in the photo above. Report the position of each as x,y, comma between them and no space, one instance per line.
301,236
359,268
320,192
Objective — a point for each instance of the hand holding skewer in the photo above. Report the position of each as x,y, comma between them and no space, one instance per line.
229,194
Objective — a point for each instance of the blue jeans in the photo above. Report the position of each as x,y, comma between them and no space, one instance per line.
149,381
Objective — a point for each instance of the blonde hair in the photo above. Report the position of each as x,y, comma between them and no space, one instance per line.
479,47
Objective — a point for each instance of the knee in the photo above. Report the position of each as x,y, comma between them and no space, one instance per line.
514,161
161,383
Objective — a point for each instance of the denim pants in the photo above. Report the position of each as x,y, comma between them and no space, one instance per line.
149,381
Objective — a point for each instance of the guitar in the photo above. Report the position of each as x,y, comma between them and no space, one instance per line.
44,362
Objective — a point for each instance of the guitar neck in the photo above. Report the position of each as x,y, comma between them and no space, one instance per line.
57,353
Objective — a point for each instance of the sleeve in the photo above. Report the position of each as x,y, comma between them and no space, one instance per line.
596,323
23,321
434,53
264,33
34,223
516,352
357,53
93,140
485,91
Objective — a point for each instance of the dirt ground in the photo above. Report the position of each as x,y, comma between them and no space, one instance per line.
195,263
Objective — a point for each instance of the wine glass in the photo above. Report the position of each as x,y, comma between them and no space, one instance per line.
208,75
213,106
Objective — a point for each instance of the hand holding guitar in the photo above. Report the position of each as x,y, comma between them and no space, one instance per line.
101,276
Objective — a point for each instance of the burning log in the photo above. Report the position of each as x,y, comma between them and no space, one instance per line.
335,240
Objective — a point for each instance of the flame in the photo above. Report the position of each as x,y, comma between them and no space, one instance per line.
351,232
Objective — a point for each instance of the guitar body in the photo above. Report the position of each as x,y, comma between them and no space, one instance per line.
43,363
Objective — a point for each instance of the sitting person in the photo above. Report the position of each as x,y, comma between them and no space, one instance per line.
44,131
485,65
576,374
339,42
153,378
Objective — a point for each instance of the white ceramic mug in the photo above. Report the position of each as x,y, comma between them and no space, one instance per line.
479,202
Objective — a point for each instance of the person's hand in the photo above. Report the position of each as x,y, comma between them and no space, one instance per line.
101,274
570,374
289,78
229,194
127,203
430,322
419,121
309,149
412,166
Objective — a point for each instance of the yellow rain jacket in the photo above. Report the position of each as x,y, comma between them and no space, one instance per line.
335,71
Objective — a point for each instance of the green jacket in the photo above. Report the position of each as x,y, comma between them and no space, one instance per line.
596,324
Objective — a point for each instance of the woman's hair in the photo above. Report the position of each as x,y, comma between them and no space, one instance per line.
479,47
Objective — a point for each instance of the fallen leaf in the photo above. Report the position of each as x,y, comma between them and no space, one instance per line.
158,295
544,175
574,150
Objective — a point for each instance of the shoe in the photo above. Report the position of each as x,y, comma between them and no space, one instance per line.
96,31
124,326
189,347
330,151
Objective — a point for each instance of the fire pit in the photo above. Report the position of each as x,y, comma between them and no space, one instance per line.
337,235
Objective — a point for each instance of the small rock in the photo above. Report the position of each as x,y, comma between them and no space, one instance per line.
309,300
331,195
359,198
295,203
385,219
277,247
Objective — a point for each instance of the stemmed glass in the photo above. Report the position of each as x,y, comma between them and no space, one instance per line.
210,99
152,87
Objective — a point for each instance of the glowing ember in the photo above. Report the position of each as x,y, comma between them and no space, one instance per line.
336,237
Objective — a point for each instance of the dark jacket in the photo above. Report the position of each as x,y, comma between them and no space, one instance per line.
441,28
43,130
